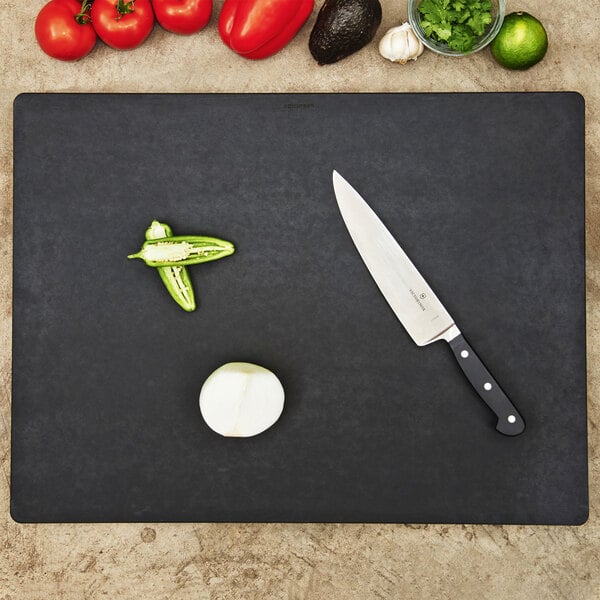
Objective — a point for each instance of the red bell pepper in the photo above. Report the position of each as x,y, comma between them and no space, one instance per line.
259,28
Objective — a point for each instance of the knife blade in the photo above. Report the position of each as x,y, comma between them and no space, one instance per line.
414,302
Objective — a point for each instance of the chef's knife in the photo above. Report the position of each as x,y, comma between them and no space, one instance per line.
416,306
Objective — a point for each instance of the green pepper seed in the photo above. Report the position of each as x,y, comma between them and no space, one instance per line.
183,250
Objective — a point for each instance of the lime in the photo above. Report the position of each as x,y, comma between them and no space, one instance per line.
521,42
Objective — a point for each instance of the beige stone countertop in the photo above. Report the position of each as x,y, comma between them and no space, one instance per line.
198,561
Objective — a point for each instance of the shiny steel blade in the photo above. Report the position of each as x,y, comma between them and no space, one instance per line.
416,306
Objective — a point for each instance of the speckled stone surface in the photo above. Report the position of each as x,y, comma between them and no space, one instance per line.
309,561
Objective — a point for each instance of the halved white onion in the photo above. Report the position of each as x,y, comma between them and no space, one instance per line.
241,399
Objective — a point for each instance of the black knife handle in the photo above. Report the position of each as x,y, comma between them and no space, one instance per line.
510,422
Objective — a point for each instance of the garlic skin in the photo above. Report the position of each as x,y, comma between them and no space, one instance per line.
400,44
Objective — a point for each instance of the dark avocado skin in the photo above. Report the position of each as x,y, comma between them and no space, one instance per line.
342,28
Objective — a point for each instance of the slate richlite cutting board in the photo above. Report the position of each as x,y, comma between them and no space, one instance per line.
484,191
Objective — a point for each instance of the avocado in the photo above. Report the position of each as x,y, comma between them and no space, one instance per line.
342,28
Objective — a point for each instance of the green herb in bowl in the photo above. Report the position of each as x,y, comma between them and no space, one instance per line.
457,23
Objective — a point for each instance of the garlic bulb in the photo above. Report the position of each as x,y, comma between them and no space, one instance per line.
400,44
241,399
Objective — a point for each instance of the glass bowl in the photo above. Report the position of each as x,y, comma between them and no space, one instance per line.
414,18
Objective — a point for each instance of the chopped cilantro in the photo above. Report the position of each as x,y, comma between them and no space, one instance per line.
458,23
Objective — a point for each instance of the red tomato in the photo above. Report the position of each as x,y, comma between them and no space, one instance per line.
60,34
182,16
259,28
122,25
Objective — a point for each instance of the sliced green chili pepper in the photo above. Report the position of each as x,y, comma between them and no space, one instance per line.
176,279
170,254
183,250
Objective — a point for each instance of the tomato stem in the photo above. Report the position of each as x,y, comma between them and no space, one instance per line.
83,17
124,8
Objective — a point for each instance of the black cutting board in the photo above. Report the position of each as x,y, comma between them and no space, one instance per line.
484,191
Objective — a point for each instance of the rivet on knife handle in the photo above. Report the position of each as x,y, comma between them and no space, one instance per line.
510,422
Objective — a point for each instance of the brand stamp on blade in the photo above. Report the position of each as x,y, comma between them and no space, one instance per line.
418,298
